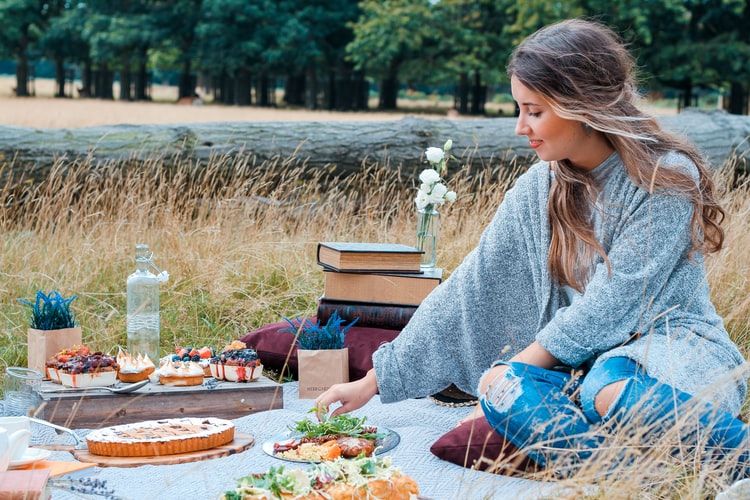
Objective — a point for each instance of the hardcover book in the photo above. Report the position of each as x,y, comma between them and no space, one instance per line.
399,289
369,257
388,316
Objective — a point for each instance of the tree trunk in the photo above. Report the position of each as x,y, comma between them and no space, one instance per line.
311,90
389,92
362,92
330,93
463,93
187,83
687,96
243,85
261,91
344,144
478,95
59,76
108,78
141,78
125,81
22,67
738,99
294,90
86,79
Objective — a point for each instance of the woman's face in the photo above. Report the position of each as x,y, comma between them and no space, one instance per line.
552,137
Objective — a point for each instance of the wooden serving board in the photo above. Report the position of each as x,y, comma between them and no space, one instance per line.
240,443
94,409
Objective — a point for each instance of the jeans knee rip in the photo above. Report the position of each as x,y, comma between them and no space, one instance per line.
504,392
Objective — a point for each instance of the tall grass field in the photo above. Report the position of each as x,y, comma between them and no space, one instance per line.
239,240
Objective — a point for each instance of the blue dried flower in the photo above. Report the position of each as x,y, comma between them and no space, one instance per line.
315,337
50,312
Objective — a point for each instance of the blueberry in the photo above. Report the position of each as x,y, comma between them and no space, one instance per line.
186,358
195,358
175,357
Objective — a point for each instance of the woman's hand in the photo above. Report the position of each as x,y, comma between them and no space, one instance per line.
352,395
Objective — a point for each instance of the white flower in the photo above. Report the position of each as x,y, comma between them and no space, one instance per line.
438,190
422,199
450,196
434,155
429,175
425,187
448,145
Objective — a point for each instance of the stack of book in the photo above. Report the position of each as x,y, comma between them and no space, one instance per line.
379,283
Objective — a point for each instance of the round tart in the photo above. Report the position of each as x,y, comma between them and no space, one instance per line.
160,437
237,365
180,373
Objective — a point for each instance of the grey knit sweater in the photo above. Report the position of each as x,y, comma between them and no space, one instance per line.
502,295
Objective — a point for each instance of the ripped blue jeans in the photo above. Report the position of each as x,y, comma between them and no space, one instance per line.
552,417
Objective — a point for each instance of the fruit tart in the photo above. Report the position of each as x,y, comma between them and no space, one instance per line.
179,373
134,368
53,365
237,363
201,356
93,370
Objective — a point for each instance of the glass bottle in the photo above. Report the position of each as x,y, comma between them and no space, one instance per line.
143,305
428,226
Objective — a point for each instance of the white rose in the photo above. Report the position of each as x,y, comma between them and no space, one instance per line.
448,145
429,175
439,190
434,155
450,196
422,200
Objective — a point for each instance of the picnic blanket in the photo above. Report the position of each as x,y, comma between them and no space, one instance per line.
419,422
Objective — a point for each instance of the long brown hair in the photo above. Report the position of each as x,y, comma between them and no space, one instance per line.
585,73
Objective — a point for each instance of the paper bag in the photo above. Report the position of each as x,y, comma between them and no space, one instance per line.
43,344
319,370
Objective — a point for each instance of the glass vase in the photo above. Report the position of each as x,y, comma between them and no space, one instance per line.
428,225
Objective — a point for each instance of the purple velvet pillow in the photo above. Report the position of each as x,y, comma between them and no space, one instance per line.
273,346
475,444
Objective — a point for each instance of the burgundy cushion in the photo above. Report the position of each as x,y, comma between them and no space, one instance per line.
479,447
273,346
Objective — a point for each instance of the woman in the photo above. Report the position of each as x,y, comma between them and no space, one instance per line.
593,261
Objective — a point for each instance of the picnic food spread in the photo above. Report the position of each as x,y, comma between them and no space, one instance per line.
200,356
341,436
236,363
371,478
134,368
160,437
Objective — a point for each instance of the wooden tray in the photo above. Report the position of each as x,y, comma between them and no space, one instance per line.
240,443
97,408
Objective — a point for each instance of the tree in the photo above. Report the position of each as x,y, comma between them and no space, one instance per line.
23,23
388,34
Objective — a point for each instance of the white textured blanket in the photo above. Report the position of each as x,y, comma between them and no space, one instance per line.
419,422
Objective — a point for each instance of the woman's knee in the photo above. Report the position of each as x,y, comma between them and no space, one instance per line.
606,397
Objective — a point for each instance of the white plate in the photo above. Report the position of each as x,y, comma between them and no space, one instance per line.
390,440
32,455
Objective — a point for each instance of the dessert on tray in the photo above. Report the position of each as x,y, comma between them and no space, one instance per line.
134,368
341,436
370,478
160,437
93,370
179,373
53,365
236,363
201,356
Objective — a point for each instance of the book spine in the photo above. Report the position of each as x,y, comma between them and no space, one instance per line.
372,315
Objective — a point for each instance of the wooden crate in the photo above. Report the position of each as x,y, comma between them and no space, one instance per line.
97,408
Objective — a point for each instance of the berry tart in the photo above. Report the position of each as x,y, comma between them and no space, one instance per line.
53,365
201,356
134,368
179,373
160,437
236,363
94,370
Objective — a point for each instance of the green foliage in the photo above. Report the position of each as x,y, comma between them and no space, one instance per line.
345,425
50,312
315,337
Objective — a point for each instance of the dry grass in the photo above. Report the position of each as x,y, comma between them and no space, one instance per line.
239,245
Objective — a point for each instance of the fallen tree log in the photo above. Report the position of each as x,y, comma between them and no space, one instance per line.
345,144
